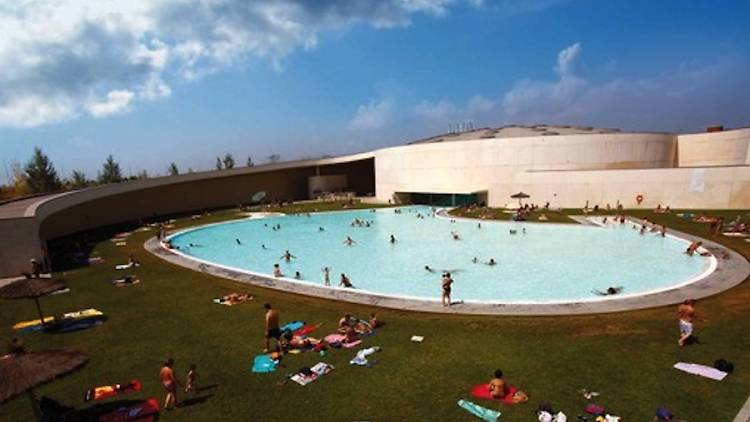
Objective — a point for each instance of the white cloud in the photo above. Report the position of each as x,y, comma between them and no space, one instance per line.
115,103
58,54
374,115
566,60
441,111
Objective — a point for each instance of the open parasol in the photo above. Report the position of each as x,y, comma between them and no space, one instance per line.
32,288
21,371
520,196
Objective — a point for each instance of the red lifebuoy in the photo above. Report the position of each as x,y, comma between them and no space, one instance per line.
639,198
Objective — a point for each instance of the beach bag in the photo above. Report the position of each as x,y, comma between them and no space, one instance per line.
724,366
594,409
663,414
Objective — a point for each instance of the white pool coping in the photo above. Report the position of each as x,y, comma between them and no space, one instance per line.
718,276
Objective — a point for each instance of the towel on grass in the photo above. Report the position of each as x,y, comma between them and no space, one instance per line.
264,363
361,358
318,370
701,370
483,413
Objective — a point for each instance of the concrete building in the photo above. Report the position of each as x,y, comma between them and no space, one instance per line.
564,165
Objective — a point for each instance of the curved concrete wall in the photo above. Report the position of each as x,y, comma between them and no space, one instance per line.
470,166
729,148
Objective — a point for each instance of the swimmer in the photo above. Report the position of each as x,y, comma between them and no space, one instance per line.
393,239
297,275
263,246
428,269
523,230
326,276
479,225
693,247
238,241
475,260
609,292
513,231
604,221
349,241
287,256
277,271
321,229
491,262
455,236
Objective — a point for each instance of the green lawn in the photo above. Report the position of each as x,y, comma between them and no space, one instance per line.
627,357
503,214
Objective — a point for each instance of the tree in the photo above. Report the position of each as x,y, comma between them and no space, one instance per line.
110,171
173,170
228,161
19,186
249,161
40,174
274,158
78,180
219,166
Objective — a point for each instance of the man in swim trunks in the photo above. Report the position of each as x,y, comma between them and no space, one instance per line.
447,281
345,282
686,313
272,327
344,323
166,375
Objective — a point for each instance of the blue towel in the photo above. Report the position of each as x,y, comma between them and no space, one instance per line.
488,415
264,363
292,326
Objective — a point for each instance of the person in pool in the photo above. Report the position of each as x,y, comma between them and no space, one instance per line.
287,256
609,292
349,241
428,269
393,239
277,271
491,262
475,260
297,275
693,248
327,276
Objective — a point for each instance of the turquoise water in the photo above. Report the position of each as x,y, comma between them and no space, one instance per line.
549,263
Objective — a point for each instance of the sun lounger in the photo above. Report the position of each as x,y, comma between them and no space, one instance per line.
701,370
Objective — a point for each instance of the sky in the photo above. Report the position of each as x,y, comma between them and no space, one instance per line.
154,82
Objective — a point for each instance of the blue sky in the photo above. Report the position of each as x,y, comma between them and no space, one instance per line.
156,82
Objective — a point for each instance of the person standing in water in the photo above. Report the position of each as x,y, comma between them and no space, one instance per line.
287,256
393,239
326,276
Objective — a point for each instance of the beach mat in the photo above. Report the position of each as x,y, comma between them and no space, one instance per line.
307,329
144,411
264,364
339,338
318,370
292,326
701,370
483,413
107,391
482,391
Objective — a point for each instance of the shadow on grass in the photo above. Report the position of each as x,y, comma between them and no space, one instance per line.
194,400
207,387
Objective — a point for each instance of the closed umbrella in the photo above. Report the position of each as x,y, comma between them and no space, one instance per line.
21,371
32,288
258,196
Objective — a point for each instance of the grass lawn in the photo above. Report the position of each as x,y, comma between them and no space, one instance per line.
503,214
627,357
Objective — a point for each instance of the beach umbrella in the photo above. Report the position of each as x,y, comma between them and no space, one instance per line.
32,288
21,371
519,196
258,196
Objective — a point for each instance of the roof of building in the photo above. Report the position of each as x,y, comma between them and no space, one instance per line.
515,131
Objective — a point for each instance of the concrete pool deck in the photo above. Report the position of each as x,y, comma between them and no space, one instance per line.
731,270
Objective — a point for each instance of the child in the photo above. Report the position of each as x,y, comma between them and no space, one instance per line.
192,377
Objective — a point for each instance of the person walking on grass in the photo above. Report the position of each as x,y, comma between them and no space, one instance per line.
169,381
272,327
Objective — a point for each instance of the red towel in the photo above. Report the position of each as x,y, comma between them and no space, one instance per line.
482,391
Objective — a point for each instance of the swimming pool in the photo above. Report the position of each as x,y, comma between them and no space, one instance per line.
549,263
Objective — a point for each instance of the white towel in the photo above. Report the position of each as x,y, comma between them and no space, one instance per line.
702,370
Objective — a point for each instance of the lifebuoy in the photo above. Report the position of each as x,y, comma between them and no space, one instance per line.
639,198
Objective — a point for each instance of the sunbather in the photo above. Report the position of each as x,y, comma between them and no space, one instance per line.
344,323
498,389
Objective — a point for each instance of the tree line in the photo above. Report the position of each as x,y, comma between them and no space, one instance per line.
39,175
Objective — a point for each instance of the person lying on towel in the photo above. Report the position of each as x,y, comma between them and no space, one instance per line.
290,341
498,389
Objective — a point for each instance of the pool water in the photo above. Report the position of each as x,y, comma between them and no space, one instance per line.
547,263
